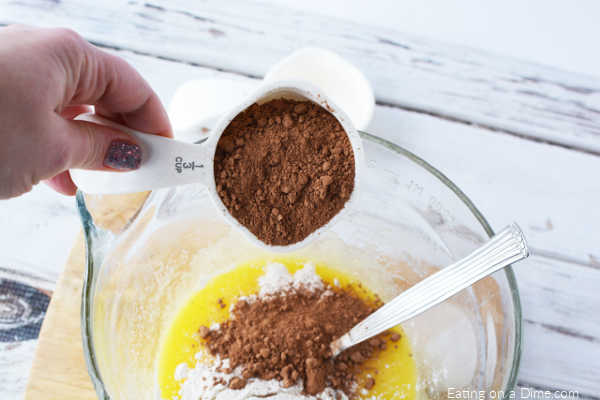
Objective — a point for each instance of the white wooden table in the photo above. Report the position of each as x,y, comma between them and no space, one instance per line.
522,140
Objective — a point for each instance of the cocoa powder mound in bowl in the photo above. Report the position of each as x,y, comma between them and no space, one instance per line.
286,337
283,169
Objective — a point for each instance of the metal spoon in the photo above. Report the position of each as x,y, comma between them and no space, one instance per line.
507,247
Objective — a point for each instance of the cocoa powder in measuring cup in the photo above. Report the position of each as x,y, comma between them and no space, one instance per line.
283,169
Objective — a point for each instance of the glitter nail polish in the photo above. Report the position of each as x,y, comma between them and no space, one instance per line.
123,155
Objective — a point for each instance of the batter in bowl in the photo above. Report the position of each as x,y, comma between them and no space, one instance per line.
198,360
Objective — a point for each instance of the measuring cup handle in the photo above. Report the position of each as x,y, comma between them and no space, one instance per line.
165,162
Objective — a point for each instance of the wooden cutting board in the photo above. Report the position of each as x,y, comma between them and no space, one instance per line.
59,371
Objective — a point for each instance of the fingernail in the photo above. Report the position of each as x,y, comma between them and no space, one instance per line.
123,155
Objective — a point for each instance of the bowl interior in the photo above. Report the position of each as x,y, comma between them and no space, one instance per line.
407,222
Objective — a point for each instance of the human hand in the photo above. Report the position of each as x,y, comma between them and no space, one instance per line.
47,77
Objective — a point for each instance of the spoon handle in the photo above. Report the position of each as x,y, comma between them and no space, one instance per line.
505,248
165,162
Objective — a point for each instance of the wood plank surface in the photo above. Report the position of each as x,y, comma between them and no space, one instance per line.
522,141
58,371
452,82
24,296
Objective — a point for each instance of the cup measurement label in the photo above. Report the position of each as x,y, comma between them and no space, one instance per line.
181,165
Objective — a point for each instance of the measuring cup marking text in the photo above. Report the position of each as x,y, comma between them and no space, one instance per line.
181,165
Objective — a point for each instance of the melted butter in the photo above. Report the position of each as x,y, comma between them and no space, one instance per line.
393,369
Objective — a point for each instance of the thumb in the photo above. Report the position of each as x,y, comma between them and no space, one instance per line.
94,146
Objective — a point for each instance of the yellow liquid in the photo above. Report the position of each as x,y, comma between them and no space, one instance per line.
393,369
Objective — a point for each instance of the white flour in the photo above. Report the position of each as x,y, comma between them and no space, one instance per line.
200,383
277,279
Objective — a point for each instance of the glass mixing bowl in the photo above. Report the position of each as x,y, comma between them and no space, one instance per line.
408,221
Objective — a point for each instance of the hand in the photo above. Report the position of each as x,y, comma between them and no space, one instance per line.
47,77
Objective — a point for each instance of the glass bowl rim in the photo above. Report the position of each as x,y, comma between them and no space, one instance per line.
508,271
91,232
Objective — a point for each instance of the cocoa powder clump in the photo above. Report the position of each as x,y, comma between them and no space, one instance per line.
283,169
287,337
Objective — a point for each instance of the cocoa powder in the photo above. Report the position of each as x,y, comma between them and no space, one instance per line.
287,337
283,169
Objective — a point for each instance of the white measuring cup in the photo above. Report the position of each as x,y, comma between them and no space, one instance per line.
168,162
